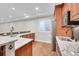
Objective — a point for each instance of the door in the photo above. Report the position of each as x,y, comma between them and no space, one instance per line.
45,30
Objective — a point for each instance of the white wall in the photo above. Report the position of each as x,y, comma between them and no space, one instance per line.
31,25
18,26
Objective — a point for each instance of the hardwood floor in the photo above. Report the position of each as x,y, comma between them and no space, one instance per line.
42,49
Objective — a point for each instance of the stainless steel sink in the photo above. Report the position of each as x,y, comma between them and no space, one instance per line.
14,35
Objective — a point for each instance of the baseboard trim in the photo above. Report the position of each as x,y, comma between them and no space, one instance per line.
43,41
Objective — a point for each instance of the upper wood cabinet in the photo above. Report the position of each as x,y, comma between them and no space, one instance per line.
74,8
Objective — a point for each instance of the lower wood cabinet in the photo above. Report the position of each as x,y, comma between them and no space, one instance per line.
31,36
25,50
2,50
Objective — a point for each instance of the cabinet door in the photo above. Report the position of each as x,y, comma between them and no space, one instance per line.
25,50
31,36
1,51
29,49
74,7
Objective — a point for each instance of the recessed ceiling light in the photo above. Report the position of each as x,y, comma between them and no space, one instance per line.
27,16
10,16
36,8
13,8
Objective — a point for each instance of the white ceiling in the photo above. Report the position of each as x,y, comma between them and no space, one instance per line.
20,10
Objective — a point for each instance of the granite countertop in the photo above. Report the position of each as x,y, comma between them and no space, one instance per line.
21,42
18,35
68,48
6,39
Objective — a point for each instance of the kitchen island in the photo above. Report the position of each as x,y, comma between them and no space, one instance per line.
66,46
21,47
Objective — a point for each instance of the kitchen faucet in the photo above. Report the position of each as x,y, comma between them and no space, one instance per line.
11,31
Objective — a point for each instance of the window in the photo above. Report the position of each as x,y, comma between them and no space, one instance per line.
45,25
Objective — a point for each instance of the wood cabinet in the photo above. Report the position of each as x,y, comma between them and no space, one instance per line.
74,8
2,50
31,36
25,50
